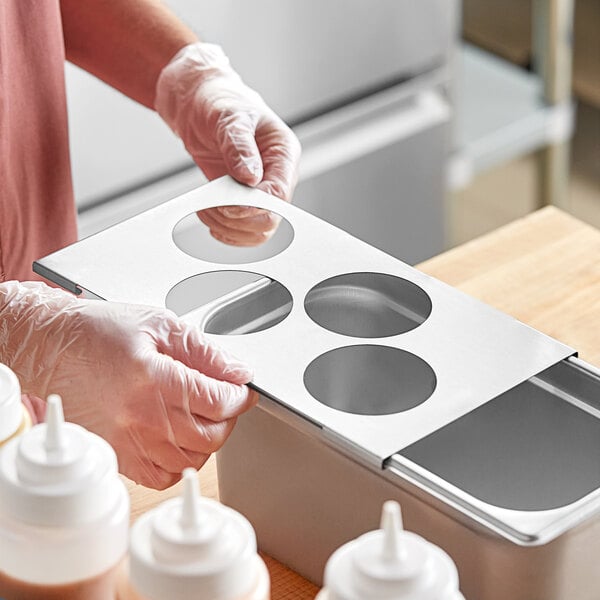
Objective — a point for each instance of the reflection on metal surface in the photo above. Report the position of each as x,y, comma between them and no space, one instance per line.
251,310
367,305
230,302
530,449
370,380
250,235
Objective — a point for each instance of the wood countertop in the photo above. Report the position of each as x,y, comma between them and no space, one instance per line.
543,269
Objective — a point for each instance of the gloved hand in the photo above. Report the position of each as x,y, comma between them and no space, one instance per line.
155,389
228,129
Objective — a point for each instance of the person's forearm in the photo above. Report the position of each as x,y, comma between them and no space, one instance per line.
126,43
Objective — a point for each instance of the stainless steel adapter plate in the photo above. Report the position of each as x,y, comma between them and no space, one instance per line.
376,394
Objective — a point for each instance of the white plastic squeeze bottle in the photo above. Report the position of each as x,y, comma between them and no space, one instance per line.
390,564
193,548
64,513
14,417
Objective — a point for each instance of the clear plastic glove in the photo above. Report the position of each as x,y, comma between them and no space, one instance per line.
148,383
228,129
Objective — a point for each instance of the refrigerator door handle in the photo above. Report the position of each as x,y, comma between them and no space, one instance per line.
328,142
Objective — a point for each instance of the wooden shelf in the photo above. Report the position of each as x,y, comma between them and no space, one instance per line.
586,68
503,28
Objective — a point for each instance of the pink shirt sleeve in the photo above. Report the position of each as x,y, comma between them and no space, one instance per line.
37,212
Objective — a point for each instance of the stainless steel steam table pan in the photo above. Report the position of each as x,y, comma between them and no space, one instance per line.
377,381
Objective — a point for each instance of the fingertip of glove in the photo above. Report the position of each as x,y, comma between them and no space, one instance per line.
275,189
255,168
238,373
239,212
248,172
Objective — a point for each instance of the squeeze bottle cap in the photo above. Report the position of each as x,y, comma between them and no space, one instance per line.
11,410
192,548
391,564
58,474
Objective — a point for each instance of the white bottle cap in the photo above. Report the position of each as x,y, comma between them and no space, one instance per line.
57,473
192,548
11,410
391,564
64,511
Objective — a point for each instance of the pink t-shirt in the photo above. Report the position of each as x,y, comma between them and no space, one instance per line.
37,211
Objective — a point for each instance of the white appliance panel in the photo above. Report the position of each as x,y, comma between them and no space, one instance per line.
305,55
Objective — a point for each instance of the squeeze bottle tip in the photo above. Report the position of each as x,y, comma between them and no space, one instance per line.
390,563
190,517
193,548
391,523
54,424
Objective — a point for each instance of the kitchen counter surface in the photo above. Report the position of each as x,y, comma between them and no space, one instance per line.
543,269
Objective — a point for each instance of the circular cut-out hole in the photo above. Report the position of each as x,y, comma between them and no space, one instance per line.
367,305
230,302
370,380
213,236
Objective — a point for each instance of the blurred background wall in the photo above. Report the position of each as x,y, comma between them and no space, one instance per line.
423,124
510,190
